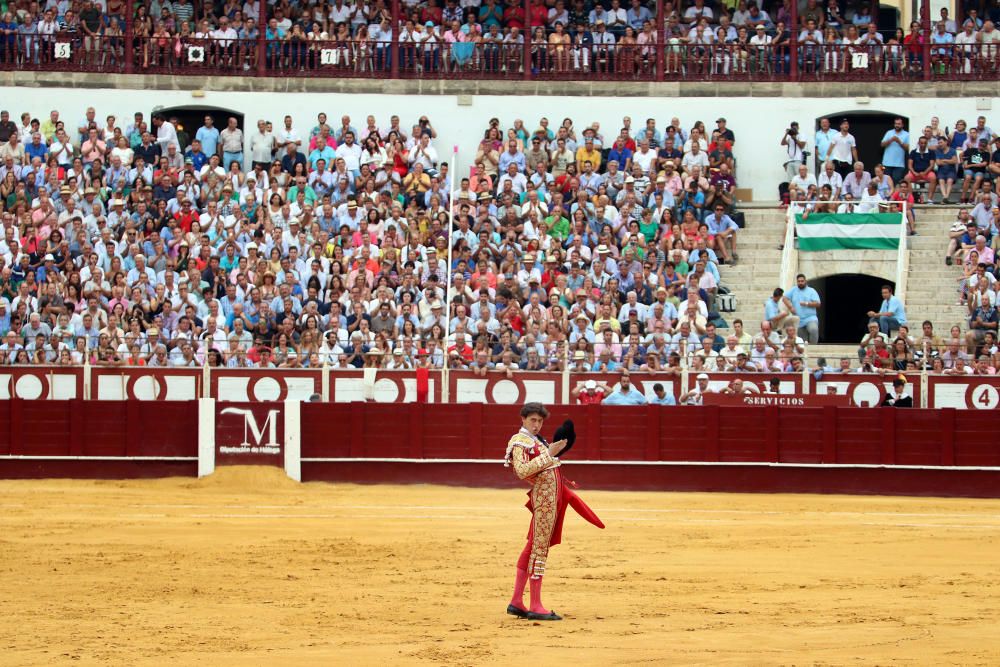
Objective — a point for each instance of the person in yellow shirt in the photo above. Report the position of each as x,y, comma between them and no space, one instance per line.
607,318
48,128
588,153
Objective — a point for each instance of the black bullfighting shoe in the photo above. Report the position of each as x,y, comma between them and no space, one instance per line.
514,610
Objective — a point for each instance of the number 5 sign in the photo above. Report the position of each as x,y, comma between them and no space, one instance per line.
63,51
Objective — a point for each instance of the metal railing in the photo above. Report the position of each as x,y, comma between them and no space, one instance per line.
351,58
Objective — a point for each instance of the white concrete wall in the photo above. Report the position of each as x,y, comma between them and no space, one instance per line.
759,123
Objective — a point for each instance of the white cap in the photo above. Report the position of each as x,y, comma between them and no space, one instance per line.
590,384
702,376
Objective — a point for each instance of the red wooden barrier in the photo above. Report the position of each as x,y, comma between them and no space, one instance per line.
770,434
772,448
101,428
738,449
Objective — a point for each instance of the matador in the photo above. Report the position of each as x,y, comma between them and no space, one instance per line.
536,462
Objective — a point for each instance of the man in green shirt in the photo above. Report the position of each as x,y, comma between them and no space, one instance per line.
557,224
301,185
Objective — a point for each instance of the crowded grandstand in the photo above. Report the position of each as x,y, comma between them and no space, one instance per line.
556,39
552,244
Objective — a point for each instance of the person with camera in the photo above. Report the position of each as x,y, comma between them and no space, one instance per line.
795,153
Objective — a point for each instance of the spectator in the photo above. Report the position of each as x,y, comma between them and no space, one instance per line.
896,145
779,311
696,395
625,394
661,397
830,177
231,144
590,392
794,151
891,313
856,183
805,302
946,163
920,168
975,162
983,320
843,150
803,181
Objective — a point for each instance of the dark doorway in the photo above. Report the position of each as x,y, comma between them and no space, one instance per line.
868,129
190,118
888,21
846,298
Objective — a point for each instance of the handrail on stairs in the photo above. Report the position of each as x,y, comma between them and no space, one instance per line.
789,253
902,258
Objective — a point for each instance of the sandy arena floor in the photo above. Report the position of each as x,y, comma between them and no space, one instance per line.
247,568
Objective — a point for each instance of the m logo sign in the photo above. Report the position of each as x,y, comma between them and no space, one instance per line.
250,433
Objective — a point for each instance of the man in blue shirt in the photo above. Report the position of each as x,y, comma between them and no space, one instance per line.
891,313
638,14
321,152
780,311
208,135
662,397
946,168
36,148
723,228
824,135
896,145
805,300
626,394
196,156
921,167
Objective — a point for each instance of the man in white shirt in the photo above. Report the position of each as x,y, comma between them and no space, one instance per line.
166,133
870,200
989,37
518,182
644,156
288,134
843,151
794,144
803,180
831,178
261,146
696,158
62,149
760,42
224,37
966,45
350,152
424,153
340,12
616,18
698,11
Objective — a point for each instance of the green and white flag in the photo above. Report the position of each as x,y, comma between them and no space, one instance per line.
848,231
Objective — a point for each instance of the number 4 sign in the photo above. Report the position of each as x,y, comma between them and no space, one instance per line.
982,397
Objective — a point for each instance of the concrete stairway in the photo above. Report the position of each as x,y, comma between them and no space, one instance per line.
756,274
932,291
